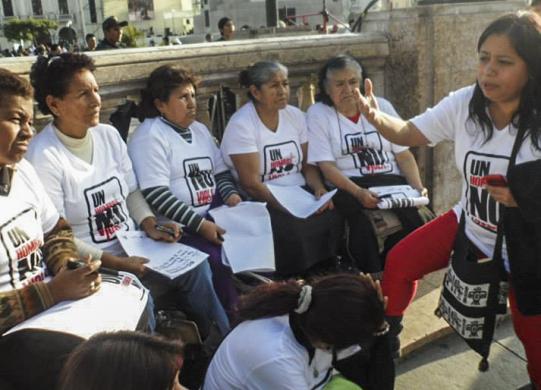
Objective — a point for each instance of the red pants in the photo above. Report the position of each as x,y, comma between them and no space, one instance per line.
428,249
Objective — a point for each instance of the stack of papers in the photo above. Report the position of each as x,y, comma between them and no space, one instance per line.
298,201
169,259
118,305
392,197
248,244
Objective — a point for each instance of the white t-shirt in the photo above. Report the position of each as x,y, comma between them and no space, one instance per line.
25,214
92,197
280,153
264,354
357,148
161,157
475,158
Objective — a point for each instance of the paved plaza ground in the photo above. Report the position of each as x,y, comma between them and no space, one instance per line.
448,363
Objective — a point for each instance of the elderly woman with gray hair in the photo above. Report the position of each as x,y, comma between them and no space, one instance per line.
353,157
266,142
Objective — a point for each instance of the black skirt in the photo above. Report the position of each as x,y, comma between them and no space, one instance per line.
299,244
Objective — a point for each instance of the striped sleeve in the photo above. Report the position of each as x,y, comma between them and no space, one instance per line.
226,184
18,305
163,202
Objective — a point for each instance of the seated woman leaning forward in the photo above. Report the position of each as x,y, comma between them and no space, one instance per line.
265,143
34,242
88,174
353,156
298,334
179,167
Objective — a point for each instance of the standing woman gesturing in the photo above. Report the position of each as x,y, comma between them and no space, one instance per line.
484,120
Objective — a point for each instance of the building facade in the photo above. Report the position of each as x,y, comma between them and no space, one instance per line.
157,17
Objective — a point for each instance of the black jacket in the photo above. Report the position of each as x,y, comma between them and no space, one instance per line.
522,229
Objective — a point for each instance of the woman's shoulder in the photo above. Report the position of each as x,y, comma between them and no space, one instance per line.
200,127
108,136
273,335
42,143
319,109
244,113
150,127
27,173
243,121
462,95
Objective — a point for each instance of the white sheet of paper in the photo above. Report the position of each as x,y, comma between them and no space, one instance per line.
117,305
169,259
248,243
298,201
399,196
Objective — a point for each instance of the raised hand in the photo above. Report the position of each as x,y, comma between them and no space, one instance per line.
367,104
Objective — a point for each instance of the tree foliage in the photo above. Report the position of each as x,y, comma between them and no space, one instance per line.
28,29
130,35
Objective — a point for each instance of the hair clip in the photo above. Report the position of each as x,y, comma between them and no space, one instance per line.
52,59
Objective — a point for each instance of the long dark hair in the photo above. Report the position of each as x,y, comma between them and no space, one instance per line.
161,82
345,308
524,31
53,75
122,360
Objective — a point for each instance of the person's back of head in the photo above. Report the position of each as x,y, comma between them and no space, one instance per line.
338,310
123,360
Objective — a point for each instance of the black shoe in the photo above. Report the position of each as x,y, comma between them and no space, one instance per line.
395,327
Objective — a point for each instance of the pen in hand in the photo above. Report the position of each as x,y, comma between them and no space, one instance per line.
74,264
166,229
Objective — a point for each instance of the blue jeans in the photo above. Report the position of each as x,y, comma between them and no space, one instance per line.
193,292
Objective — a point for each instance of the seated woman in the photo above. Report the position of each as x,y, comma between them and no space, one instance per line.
179,167
265,142
34,242
123,360
87,172
353,156
301,334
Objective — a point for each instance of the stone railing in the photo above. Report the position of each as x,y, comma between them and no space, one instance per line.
415,57
122,73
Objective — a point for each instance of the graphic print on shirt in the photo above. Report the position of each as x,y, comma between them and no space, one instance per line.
280,160
200,179
366,151
481,208
22,245
106,210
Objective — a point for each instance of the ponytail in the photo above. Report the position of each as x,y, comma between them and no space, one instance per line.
340,310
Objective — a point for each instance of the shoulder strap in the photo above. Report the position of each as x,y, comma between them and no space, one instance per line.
499,234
